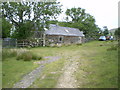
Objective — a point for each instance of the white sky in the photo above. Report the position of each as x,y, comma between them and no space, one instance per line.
104,11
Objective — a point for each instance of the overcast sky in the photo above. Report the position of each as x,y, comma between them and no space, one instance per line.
104,11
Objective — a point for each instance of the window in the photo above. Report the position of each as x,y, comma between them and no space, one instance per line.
60,39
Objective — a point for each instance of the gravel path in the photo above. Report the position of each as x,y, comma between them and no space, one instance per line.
51,59
67,79
27,80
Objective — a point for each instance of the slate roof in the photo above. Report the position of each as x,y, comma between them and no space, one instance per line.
66,31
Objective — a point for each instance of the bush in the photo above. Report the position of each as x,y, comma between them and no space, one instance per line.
27,56
36,57
79,44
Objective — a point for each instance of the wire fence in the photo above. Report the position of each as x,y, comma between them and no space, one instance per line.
9,42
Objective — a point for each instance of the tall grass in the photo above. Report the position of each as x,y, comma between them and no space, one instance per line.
20,54
7,53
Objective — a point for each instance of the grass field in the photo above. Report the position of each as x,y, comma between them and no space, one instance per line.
14,70
98,66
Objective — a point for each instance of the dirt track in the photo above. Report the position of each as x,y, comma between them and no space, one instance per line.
67,79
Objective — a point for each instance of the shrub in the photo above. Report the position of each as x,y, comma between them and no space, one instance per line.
79,44
39,58
101,45
36,57
27,56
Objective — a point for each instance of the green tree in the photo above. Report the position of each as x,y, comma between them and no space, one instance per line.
77,14
25,31
117,33
44,12
18,13
6,28
83,21
105,32
29,16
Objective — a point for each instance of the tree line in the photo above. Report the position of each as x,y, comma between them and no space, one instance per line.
21,19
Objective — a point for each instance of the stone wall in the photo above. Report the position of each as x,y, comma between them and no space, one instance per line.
58,39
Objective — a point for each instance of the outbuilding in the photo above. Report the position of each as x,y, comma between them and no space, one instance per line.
63,35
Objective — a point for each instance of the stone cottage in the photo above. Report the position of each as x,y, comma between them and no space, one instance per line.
63,35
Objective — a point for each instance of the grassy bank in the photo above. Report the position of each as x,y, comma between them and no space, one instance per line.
98,65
